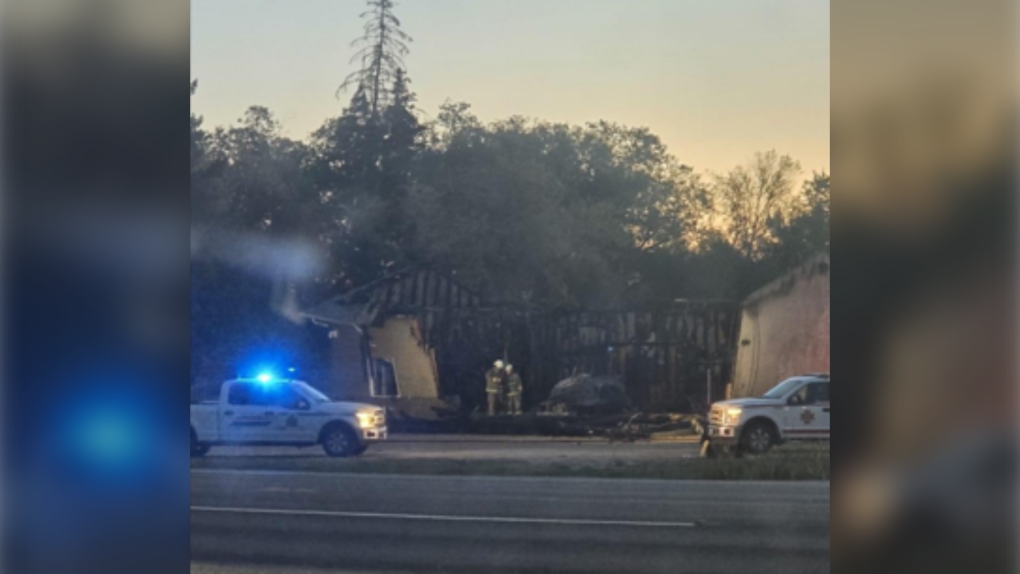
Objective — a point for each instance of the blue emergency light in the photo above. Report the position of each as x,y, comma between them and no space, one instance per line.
108,437
264,378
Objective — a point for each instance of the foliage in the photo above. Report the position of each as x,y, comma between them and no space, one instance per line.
251,199
204,169
549,214
807,233
752,196
525,211
261,185
362,165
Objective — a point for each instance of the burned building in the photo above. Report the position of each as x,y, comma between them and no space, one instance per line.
418,336
784,329
379,350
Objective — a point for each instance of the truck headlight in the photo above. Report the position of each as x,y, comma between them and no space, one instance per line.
368,419
732,416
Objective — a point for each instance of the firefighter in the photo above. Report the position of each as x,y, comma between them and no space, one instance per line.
494,386
514,389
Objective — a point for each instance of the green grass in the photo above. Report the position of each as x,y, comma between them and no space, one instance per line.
791,465
801,466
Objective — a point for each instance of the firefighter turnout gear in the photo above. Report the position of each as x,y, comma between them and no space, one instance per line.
494,386
514,390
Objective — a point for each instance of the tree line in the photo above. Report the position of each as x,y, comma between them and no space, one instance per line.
529,211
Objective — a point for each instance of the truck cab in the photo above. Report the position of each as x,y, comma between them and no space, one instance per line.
273,412
797,409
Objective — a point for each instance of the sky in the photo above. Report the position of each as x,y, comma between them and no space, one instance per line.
717,80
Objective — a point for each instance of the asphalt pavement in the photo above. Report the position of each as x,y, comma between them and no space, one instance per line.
250,521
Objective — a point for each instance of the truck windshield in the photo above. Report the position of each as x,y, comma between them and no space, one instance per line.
312,393
782,389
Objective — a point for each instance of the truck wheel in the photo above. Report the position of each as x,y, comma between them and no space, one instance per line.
758,437
338,441
198,449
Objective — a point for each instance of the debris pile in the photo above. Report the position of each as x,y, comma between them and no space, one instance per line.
591,406
587,395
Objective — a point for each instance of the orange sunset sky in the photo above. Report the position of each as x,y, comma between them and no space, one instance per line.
716,79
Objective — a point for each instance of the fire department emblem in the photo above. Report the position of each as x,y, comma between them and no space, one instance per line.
808,417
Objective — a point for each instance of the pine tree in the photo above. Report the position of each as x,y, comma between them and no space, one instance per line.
381,56
365,158
403,136
198,136
355,141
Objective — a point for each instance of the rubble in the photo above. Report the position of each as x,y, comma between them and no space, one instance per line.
586,394
625,427
591,406
579,406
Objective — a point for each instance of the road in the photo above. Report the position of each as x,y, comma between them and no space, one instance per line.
244,522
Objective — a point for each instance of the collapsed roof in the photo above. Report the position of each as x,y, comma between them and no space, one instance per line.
405,291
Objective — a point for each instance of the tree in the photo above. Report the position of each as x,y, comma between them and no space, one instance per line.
717,270
751,198
206,168
347,148
663,201
454,120
261,186
551,214
258,216
381,56
363,162
363,166
198,137
807,233
402,140
818,195
507,233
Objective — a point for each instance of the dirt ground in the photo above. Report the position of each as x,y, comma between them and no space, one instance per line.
488,449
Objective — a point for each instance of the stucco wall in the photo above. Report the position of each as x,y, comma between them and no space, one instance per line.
784,330
400,341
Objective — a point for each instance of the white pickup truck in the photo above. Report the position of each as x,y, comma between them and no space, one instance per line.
795,409
267,411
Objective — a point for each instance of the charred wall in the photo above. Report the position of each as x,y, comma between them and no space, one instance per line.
663,353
